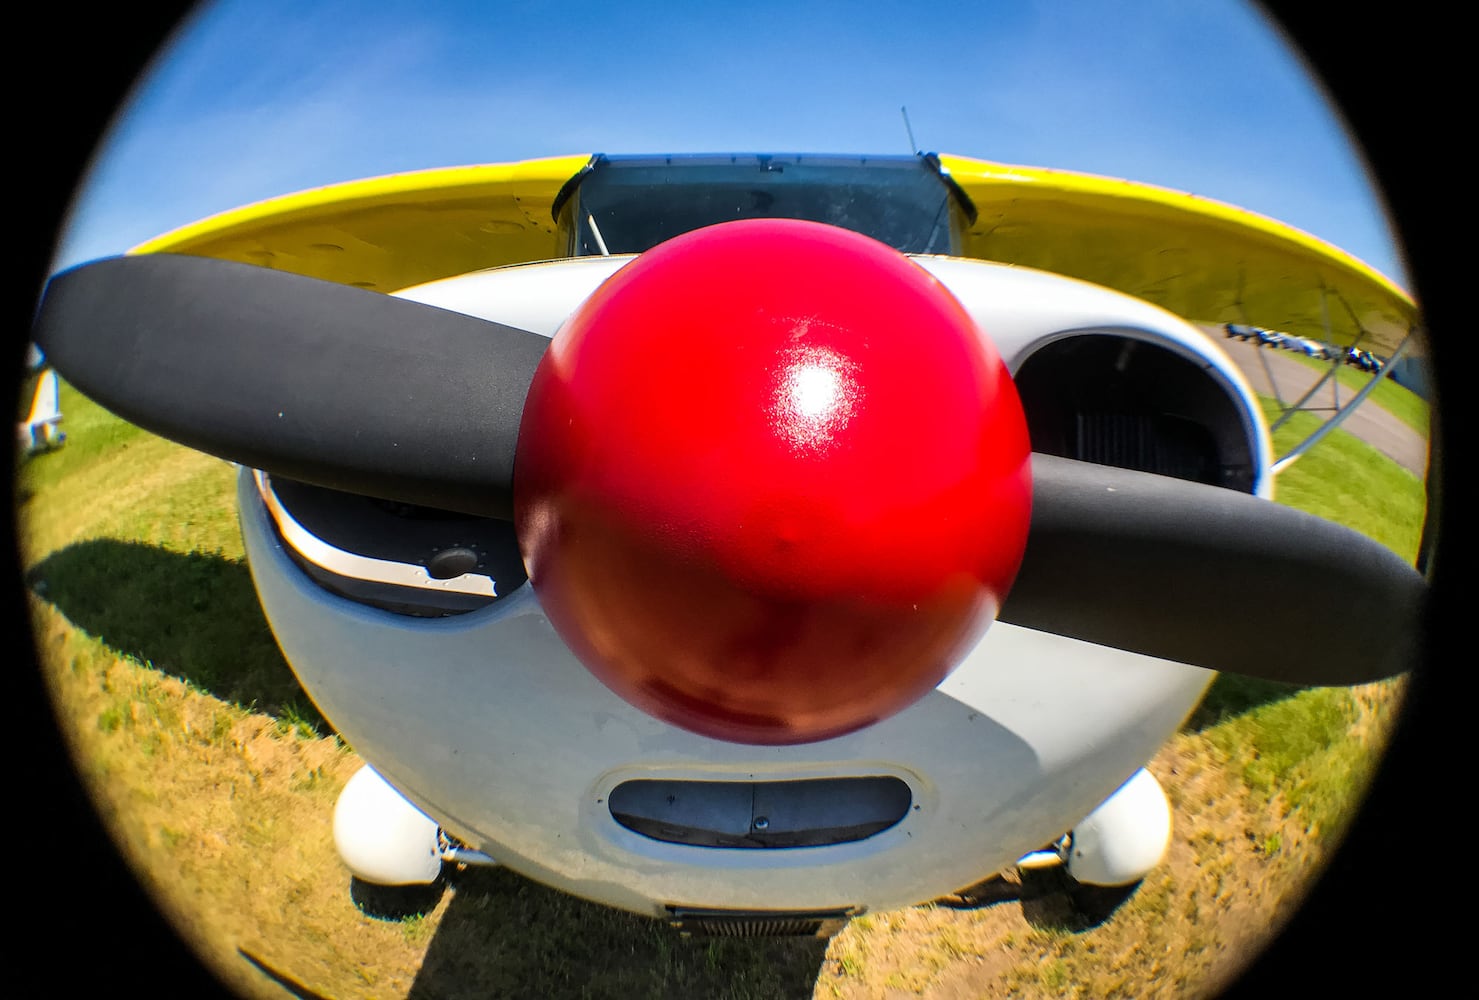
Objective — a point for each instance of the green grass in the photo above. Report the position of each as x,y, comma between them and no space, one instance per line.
92,432
1347,481
152,564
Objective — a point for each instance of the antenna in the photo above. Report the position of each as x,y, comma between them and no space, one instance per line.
905,112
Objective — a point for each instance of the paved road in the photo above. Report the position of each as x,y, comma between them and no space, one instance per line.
1274,373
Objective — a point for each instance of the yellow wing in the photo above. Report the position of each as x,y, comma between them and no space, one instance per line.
392,232
1201,259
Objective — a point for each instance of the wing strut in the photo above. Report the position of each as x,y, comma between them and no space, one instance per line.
1298,404
1345,411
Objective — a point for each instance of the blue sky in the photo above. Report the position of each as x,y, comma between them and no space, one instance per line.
257,98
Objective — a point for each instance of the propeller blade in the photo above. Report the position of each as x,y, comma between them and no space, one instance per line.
1205,575
363,392
333,385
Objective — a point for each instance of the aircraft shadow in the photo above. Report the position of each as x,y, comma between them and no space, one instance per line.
1231,694
288,983
192,615
1050,899
506,936
196,616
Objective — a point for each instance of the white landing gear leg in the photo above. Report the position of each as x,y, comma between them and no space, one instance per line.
1121,841
382,838
1101,862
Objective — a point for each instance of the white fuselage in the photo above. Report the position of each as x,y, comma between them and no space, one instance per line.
489,724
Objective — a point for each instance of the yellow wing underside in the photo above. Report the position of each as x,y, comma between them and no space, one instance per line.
392,232
1201,259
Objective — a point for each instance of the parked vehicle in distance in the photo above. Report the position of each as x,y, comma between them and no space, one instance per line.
1305,346
1362,359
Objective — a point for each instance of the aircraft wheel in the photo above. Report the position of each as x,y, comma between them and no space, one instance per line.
1121,841
382,838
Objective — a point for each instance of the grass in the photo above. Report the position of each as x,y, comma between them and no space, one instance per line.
218,777
1345,480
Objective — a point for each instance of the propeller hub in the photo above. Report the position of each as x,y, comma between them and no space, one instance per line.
771,482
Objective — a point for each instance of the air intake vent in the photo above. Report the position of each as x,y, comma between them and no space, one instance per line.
1133,404
760,814
415,561
732,923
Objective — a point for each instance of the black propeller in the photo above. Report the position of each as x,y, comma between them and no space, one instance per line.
1206,575
333,385
363,392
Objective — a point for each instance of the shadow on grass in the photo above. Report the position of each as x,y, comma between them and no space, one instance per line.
505,936
1050,898
990,892
193,616
1231,695
395,902
287,982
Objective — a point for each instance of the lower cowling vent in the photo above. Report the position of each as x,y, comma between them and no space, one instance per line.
809,812
758,924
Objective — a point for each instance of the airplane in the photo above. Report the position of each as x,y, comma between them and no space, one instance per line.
40,431
752,541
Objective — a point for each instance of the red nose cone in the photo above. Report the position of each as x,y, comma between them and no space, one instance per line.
771,482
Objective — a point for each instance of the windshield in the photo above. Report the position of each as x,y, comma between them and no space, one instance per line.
631,204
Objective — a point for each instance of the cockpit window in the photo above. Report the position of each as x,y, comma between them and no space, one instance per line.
631,204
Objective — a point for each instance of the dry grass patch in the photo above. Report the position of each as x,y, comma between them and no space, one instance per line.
225,818
1240,861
